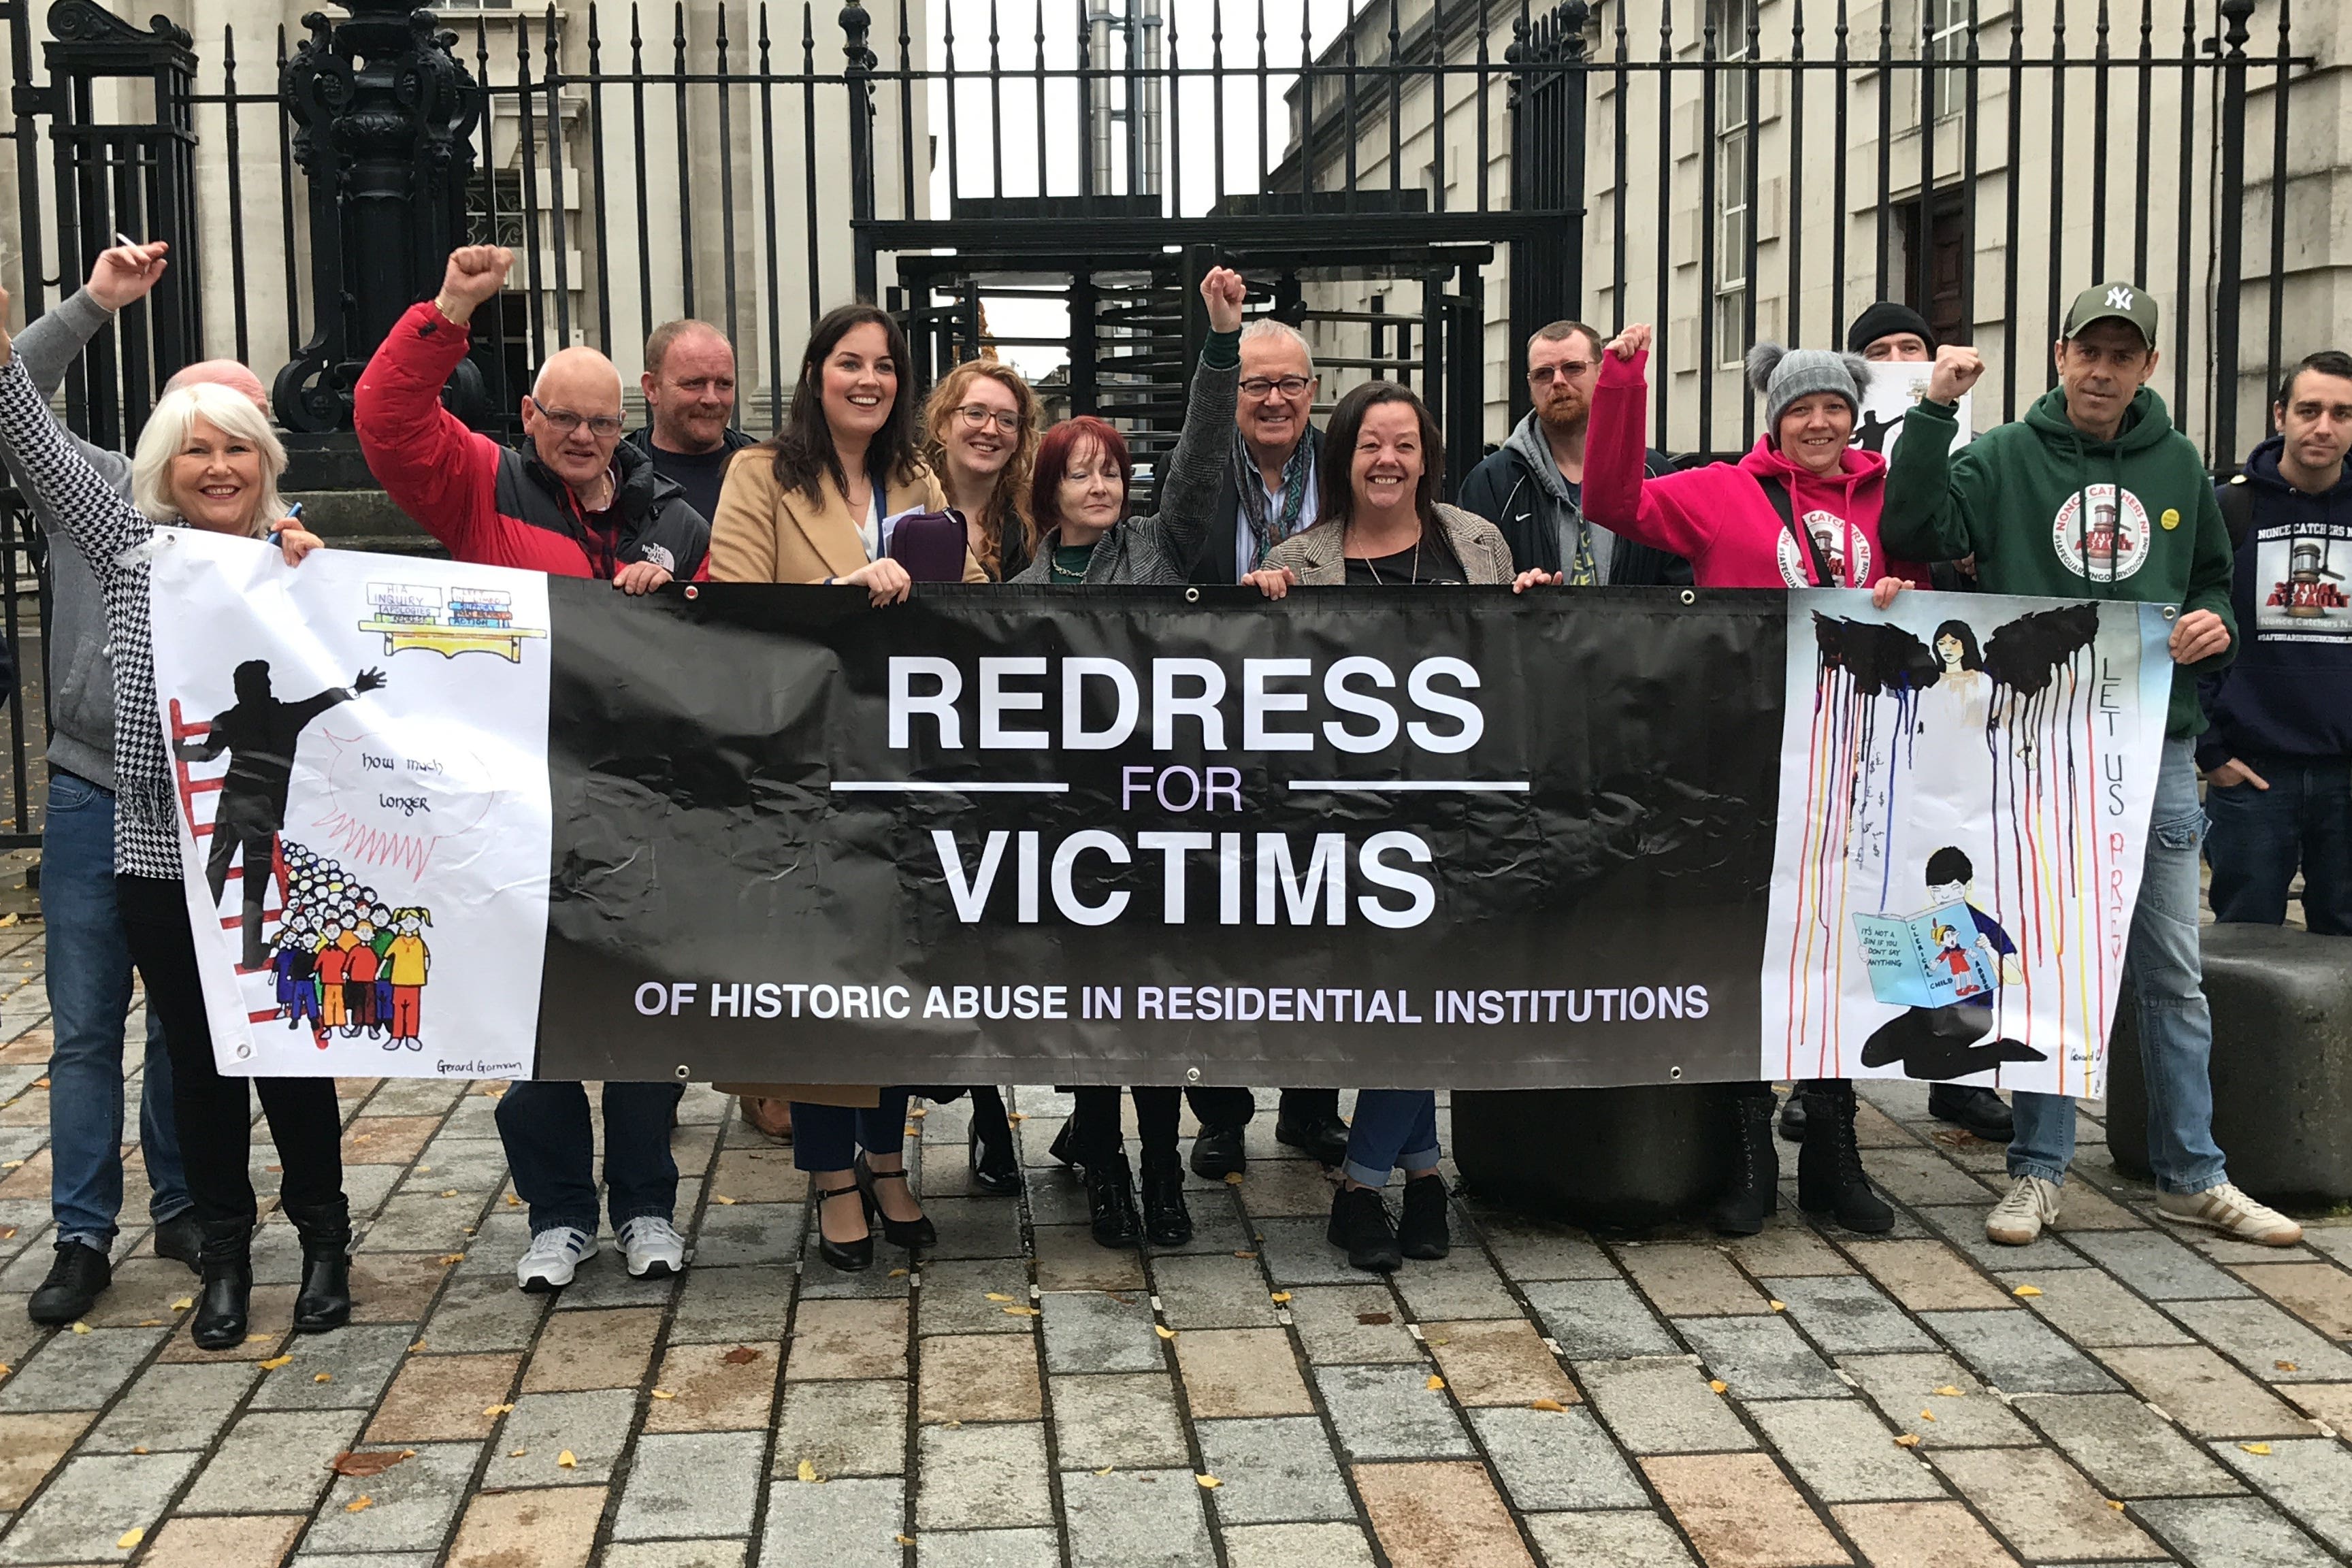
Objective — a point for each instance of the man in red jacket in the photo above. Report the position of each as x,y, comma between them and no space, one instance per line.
572,502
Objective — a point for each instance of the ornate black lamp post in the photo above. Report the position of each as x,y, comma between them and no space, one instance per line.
385,116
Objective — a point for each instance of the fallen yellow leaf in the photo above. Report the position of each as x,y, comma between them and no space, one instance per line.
807,1472
496,1409
566,1460
81,1327
1105,1470
359,1504
1434,1381
1718,1385
322,1377
1554,1406
129,1538
1016,1116
919,1112
2255,1447
448,1259
141,1449
998,1296
513,1202
1780,1306
1163,1331
1909,1440
904,1539
415,1345
517,1453
274,1363
184,1303
1279,1297
2026,1291
2114,1504
2285,1365
1022,1312
1948,1392
664,1393
1208,1483
150,1322
722,1198
1232,1178
450,1191
1926,1416
898,1274
1245,1255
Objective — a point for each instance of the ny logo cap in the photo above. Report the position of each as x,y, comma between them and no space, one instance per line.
2113,302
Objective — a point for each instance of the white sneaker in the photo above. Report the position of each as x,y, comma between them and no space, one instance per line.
553,1254
2226,1209
653,1247
2018,1218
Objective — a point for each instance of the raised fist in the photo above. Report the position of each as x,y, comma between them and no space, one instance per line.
1633,340
475,272
1224,292
126,273
1956,369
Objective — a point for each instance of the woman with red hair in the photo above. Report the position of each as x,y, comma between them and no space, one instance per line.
1079,501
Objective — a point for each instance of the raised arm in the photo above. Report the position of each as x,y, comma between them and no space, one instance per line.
101,523
1619,494
1196,468
437,471
49,346
1928,515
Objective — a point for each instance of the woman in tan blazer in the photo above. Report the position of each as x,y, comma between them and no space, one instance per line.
807,506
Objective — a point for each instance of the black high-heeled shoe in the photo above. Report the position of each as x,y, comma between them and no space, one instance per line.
849,1257
989,1148
910,1233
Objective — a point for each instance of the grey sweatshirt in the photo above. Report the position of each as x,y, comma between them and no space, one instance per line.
82,667
1554,505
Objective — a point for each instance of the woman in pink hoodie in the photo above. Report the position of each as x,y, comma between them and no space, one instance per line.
1801,510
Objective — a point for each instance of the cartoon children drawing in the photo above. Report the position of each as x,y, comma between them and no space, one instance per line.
358,977
260,734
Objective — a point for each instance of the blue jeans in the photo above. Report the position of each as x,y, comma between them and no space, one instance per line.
2256,837
551,1150
2163,968
89,973
1394,1130
827,1137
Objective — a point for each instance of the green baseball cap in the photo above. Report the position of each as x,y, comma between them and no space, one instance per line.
2113,302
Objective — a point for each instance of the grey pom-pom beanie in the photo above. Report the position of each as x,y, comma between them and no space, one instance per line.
1781,377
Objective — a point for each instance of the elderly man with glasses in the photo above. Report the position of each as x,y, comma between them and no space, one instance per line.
574,501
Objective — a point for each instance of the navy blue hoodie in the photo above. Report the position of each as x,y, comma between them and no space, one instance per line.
2289,693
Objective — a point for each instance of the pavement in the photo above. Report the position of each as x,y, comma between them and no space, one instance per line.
2118,1393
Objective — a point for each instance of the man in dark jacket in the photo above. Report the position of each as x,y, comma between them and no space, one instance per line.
2277,755
689,387
575,502
1532,487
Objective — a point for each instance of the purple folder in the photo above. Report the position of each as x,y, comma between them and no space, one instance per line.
929,545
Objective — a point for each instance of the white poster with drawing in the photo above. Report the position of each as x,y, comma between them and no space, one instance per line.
364,819
1894,389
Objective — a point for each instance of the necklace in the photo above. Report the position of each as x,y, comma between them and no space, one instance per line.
1413,572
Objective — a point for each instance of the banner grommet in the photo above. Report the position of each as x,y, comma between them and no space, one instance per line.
692,592
1192,596
1191,1074
683,1073
1690,597
1674,1072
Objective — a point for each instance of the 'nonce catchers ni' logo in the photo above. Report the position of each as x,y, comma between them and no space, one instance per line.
447,621
2101,533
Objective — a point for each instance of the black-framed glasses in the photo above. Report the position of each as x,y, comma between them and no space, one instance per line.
1289,385
1566,369
975,415
604,427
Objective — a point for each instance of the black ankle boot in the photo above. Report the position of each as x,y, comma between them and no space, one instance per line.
224,1301
1360,1227
324,1302
1110,1202
1166,1221
1754,1191
1422,1230
1828,1164
990,1149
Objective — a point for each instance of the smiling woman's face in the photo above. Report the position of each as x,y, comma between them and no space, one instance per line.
859,382
214,479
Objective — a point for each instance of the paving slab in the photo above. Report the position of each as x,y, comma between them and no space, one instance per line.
591,1424
2264,1340
1555,1458
1125,1420
93,1503
2044,1506
1933,1400
1390,1412
1093,1332
2206,1395
1742,1511
1292,1545
1440,1516
2019,1354
1351,1324
1276,1471
689,1484
1847,1315
1661,1406
1599,1320
2232,1532
1760,1358
1842,1451
2309,1479
175,1405
2093,1308
272,1461
410,1507
982,1478
1621,1538
1135,1518
835,1524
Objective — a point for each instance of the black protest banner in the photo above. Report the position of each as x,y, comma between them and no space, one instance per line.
1372,836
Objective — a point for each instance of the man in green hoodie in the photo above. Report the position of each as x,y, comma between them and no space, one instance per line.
2095,495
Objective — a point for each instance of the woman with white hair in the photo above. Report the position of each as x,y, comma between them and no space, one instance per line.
207,459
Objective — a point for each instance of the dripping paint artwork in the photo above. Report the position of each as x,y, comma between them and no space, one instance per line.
1965,789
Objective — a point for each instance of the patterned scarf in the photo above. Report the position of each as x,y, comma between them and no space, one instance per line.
1266,531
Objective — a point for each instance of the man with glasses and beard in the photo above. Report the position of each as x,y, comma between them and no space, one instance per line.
1532,487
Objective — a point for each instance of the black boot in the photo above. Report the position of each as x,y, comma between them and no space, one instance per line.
1065,1146
1360,1227
1828,1166
77,1278
1981,1111
1217,1153
1166,1221
1110,1201
223,1300
324,1302
1422,1230
990,1149
1755,1188
1792,1115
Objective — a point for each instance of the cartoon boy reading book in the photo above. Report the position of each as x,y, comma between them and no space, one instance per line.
1946,983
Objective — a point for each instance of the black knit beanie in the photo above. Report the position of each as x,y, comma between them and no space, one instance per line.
1884,318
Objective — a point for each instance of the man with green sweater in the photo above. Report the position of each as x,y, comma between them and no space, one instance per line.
2095,495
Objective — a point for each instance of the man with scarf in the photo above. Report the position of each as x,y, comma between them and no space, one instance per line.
1267,495
1532,487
